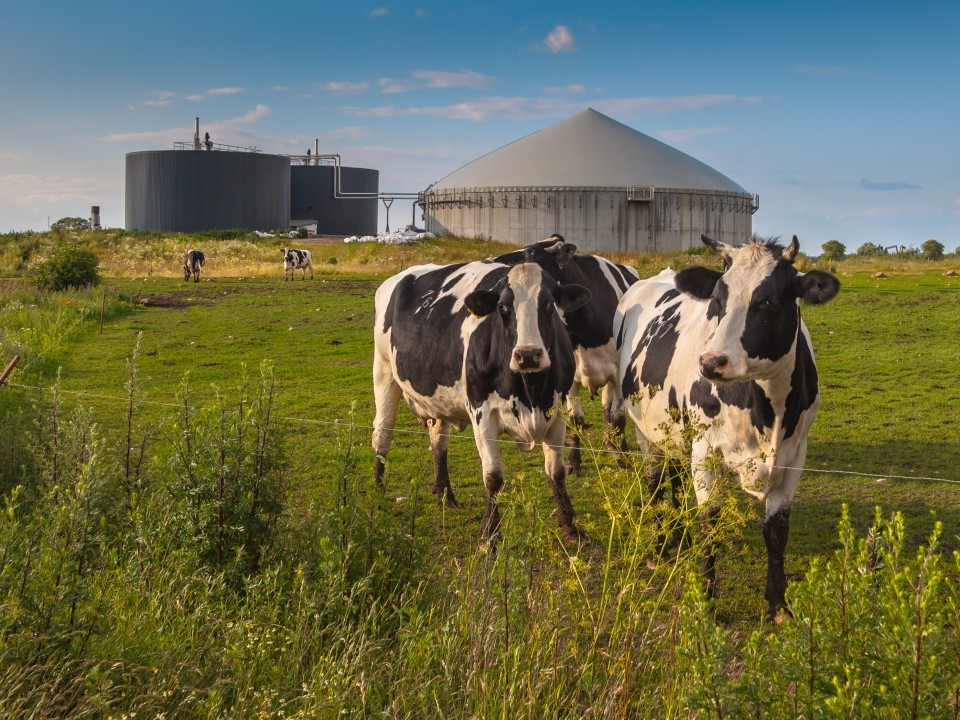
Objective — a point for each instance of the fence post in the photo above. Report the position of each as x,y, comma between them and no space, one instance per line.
9,369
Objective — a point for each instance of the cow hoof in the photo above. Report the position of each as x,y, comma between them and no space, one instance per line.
447,498
778,615
572,469
576,536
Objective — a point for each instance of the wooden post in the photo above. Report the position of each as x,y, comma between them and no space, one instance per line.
103,297
9,369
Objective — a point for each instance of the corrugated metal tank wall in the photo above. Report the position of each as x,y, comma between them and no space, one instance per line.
595,219
312,198
193,190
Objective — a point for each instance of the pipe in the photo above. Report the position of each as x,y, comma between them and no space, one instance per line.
196,136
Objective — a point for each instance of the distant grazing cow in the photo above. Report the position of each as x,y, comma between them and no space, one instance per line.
727,356
294,260
590,327
483,344
192,262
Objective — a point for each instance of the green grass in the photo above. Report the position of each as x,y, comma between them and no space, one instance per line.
384,605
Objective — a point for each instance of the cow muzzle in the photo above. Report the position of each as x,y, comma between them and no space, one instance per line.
714,366
529,359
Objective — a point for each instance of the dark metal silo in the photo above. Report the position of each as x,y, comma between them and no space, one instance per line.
193,190
314,196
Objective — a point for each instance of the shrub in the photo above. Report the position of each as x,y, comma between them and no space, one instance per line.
833,250
932,249
71,223
71,266
869,248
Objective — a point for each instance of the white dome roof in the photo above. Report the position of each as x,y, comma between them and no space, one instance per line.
588,149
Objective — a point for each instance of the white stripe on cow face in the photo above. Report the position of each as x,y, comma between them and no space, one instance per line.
529,354
750,265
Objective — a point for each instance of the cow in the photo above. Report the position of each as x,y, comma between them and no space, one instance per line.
294,260
591,331
726,356
192,262
480,344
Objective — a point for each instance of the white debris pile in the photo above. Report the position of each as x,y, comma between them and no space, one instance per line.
400,237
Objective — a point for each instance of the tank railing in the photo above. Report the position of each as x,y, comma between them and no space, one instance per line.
310,160
213,146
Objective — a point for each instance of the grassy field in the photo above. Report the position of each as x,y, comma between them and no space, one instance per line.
384,606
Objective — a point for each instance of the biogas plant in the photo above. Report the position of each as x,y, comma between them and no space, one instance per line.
601,184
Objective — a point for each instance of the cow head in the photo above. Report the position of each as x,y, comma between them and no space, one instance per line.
550,254
526,305
755,303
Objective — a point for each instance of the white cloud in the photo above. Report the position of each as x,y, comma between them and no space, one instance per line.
560,40
466,79
214,92
433,80
40,190
347,88
9,157
526,108
185,134
421,13
574,89
686,135
379,12
279,88
251,116
352,132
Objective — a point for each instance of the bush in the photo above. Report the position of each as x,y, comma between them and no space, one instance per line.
71,223
833,250
932,249
869,248
71,266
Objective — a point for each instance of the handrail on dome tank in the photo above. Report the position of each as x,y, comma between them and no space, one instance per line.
215,146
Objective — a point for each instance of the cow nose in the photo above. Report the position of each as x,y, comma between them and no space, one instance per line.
528,358
713,366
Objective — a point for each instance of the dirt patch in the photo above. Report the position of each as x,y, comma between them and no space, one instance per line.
167,300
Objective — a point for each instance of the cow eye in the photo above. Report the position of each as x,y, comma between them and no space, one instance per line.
504,309
767,303
549,307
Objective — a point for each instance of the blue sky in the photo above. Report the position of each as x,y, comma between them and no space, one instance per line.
843,119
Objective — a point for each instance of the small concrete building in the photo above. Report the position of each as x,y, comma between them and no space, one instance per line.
602,185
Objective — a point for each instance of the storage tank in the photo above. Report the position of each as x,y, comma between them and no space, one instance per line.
602,185
189,190
316,195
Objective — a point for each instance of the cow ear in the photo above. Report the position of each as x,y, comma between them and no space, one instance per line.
697,281
817,286
481,302
571,297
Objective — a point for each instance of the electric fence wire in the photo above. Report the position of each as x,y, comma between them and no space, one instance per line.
339,422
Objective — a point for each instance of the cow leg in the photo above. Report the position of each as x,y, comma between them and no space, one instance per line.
776,531
439,438
487,436
661,478
311,272
576,419
615,419
557,472
709,510
386,393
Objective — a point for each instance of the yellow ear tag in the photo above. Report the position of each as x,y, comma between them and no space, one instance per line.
470,310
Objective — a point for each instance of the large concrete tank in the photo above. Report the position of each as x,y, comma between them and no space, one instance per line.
193,190
314,196
602,185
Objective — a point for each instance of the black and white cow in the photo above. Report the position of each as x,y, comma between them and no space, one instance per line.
590,327
479,344
192,262
727,355
294,260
